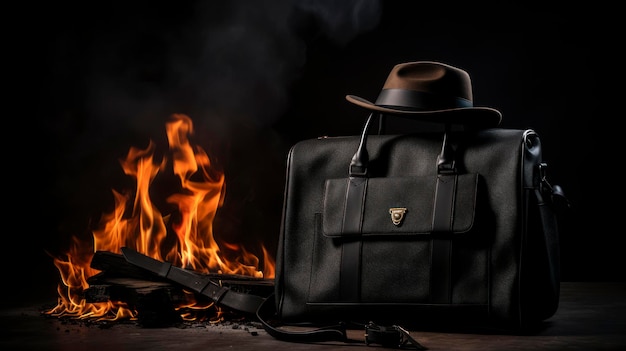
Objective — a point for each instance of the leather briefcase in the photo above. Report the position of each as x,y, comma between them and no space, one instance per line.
433,229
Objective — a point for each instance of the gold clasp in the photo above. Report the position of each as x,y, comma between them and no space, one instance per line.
397,215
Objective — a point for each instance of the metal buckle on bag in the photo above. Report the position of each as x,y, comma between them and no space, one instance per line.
544,186
375,334
553,192
394,336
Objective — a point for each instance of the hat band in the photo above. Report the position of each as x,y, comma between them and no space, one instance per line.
403,99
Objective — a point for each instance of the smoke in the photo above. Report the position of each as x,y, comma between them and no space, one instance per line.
222,62
342,21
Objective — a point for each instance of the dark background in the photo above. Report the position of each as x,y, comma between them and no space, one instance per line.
87,81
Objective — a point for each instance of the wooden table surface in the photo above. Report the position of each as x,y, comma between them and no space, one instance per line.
591,316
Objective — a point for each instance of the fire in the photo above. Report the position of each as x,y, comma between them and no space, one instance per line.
136,222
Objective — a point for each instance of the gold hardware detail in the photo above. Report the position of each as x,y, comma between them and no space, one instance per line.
397,215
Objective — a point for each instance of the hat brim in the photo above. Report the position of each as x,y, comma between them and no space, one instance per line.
481,116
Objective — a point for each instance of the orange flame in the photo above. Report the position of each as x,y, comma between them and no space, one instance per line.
201,194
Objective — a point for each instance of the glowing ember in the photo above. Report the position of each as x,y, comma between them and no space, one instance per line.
143,227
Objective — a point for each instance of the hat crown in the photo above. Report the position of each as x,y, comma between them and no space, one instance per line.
430,77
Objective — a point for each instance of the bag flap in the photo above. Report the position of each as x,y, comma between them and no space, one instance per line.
408,201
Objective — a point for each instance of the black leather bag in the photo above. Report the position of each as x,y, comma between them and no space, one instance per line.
428,229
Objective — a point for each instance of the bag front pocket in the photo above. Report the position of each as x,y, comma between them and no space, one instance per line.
393,255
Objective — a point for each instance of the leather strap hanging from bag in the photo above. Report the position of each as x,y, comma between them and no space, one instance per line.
443,214
386,336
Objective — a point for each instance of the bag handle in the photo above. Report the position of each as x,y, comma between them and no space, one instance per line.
360,160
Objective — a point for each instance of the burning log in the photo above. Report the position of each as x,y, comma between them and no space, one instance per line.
153,298
155,302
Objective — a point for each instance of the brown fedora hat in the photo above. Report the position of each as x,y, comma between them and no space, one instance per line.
430,91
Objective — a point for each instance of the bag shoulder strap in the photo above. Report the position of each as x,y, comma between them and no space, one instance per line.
390,337
267,310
